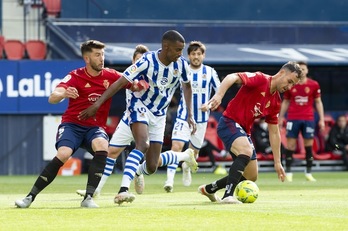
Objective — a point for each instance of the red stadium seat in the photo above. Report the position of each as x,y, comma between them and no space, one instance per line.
36,49
53,7
14,49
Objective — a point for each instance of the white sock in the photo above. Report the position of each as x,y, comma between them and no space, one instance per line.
171,170
109,168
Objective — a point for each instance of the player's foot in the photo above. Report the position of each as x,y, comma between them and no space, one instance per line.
25,202
191,161
230,200
82,192
168,186
124,197
186,175
212,196
288,176
309,177
89,203
139,183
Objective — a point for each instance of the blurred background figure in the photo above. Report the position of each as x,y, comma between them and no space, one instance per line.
338,139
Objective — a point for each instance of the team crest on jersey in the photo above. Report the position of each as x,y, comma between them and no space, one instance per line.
307,90
164,81
204,76
66,78
176,72
106,84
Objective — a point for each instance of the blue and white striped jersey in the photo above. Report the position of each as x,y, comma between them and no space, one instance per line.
163,80
203,81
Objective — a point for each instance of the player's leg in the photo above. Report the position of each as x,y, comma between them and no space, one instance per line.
140,134
308,134
65,148
177,146
292,131
196,141
97,140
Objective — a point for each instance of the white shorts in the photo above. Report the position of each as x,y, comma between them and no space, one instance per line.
182,132
156,124
122,136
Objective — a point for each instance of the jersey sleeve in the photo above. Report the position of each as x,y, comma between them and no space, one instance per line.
252,79
215,80
136,69
68,81
186,72
317,91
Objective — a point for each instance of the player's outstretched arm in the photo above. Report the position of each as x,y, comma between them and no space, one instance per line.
226,83
113,89
60,93
274,138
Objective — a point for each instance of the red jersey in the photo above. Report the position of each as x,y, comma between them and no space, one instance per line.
89,89
254,100
301,98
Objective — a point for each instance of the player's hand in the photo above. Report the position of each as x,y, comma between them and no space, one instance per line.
89,112
321,125
192,124
205,107
71,92
280,171
214,102
139,85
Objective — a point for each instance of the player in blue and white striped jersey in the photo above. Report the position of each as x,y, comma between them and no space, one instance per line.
164,70
204,79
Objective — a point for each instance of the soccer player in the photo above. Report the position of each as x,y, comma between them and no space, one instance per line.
121,138
81,87
204,79
164,70
298,103
258,97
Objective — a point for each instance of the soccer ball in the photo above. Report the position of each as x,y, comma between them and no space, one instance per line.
246,191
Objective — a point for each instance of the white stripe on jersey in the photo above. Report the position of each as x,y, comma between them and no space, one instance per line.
203,81
163,80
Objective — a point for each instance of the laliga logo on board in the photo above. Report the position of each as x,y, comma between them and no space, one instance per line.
30,87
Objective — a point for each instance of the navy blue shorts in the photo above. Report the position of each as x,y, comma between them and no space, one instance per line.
76,136
294,127
228,130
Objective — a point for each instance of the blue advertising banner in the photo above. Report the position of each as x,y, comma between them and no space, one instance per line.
26,85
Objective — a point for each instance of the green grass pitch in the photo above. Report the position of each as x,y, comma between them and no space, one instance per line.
299,205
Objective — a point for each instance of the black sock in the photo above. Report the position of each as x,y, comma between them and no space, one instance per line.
123,189
235,173
309,159
216,185
288,160
219,184
46,177
95,171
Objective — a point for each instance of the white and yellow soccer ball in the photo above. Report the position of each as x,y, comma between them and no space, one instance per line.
247,191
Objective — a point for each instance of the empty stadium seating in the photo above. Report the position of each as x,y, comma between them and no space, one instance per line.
53,7
36,49
14,49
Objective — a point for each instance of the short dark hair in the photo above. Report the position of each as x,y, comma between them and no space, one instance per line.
173,36
90,44
195,45
140,49
302,63
293,67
